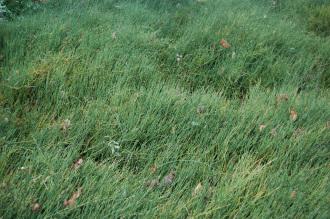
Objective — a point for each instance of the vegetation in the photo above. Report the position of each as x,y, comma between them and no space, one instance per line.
3,10
320,20
161,109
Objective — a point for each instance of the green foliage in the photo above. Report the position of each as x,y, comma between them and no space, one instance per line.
129,84
319,21
17,7
3,10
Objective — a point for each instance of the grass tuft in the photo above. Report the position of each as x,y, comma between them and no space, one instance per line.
165,109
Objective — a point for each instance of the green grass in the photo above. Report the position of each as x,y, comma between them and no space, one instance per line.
110,67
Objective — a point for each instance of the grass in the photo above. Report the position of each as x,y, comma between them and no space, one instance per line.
138,89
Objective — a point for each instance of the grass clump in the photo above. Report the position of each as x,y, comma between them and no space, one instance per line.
138,109
319,21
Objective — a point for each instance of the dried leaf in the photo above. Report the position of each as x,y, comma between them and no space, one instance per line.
168,179
77,164
197,189
36,207
293,195
74,197
328,124
224,44
153,168
65,125
293,115
152,183
262,127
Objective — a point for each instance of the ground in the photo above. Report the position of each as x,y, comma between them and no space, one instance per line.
165,109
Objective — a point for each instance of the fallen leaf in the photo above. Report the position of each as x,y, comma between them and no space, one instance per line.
36,207
74,197
168,179
153,168
152,183
293,115
293,195
65,125
224,44
197,189
328,124
262,127
77,164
